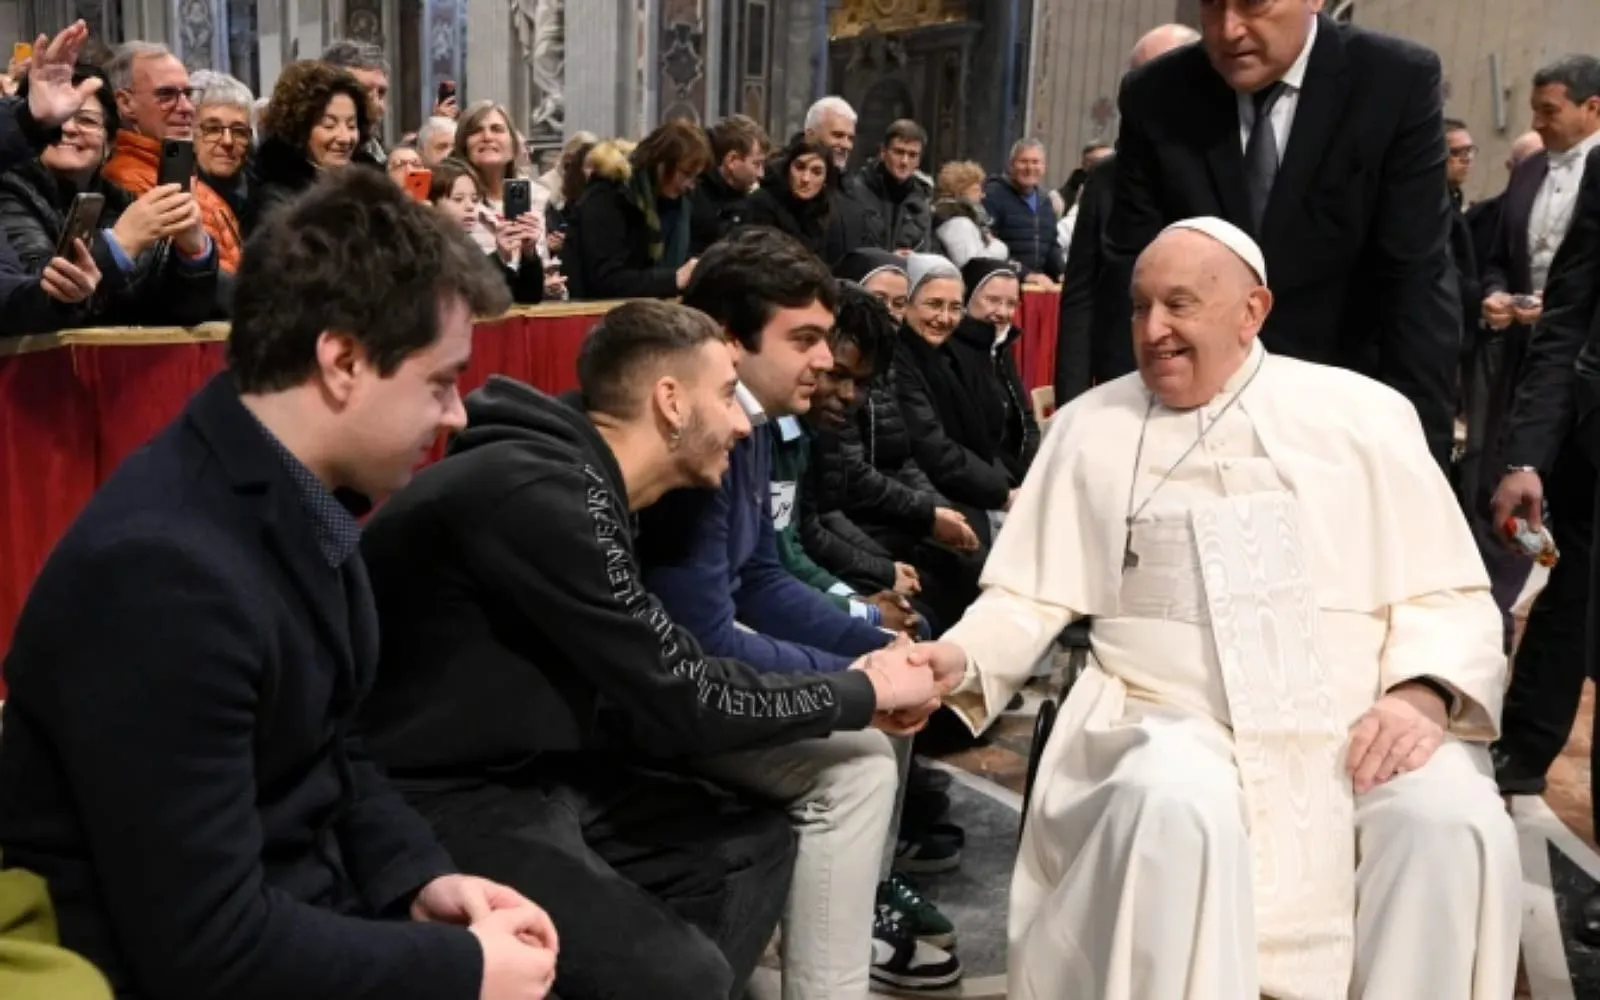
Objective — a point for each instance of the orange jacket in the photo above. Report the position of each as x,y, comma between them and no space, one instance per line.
133,167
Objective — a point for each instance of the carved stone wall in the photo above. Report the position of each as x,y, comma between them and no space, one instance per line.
201,34
363,21
682,60
923,73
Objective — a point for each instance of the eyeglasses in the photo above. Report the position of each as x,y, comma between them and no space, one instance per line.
1464,152
168,96
214,131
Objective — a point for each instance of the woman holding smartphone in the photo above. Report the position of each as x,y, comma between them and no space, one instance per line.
155,263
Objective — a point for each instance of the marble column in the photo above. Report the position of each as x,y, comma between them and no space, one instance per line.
492,43
442,40
684,88
602,84
200,33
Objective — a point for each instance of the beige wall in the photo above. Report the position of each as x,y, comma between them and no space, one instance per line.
1083,50
1081,54
1525,34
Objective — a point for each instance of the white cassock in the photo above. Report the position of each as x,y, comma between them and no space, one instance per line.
1193,834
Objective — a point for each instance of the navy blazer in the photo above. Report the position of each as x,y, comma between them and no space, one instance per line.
178,761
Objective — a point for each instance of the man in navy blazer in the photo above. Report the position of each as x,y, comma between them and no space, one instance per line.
179,762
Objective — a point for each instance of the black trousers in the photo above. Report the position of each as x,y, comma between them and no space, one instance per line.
660,887
1552,660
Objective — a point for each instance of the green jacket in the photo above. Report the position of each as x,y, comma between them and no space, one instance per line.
32,965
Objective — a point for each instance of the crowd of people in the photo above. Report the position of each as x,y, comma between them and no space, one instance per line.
654,660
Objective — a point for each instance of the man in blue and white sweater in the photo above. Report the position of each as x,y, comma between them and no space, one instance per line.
712,559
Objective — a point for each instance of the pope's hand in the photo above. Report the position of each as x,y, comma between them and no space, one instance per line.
1397,735
947,661
899,679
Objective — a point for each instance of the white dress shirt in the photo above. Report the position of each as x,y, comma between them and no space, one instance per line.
1284,108
1553,207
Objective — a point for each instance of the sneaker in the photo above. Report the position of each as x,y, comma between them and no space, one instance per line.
926,854
915,913
900,961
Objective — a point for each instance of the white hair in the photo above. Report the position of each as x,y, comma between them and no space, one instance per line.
120,69
435,124
829,106
213,88
1022,145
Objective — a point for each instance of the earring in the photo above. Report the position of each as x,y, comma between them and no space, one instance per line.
674,439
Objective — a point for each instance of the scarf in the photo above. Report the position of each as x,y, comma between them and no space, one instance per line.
640,192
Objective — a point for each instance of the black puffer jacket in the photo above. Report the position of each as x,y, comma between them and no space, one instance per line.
839,545
973,346
848,497
715,210
806,221
904,211
159,290
955,432
884,439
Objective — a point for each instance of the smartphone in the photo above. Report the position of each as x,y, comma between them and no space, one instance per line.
447,90
21,51
1526,301
177,163
518,194
82,220
418,182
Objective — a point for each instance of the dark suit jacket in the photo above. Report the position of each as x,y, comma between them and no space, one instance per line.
1558,386
1508,267
178,762
1355,231
1090,346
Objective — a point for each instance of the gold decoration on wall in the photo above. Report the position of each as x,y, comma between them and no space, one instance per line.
884,16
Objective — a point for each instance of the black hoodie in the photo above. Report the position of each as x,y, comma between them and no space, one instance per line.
514,623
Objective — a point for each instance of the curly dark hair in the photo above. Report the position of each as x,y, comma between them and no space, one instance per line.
355,253
302,93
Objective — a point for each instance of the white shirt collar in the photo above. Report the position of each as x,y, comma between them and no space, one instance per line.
1237,380
1577,153
1295,78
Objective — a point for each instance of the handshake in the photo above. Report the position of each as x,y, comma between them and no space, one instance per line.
910,680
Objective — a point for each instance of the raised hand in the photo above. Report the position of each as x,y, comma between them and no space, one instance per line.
52,97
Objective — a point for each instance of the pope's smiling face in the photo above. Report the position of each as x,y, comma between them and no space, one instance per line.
1196,309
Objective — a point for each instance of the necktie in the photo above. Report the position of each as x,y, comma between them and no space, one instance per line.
1261,153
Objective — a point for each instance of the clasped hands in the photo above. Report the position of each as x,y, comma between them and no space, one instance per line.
910,680
517,937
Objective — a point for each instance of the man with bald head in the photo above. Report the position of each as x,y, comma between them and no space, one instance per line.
1091,339
1271,779
1325,142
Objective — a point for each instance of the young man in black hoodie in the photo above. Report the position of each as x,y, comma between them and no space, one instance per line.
533,691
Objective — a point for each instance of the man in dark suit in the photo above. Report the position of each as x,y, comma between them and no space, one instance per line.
1540,210
179,762
1091,346
1554,415
1326,143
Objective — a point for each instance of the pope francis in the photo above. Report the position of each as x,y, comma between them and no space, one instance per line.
1272,780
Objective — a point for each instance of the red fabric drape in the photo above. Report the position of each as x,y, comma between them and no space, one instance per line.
70,415
47,470
1036,349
